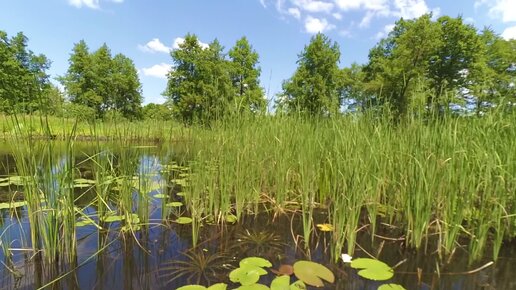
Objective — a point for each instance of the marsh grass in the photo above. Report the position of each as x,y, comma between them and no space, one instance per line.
452,177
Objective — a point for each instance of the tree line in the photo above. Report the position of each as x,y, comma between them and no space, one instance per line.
424,66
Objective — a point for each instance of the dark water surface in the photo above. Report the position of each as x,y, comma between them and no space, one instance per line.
160,255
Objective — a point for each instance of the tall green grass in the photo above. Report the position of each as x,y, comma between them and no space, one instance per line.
452,178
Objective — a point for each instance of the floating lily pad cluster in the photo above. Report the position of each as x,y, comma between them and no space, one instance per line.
373,269
251,269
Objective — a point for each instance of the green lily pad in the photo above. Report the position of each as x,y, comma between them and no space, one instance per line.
255,261
231,218
181,193
391,287
372,269
192,287
298,285
253,287
160,195
15,204
82,185
184,220
247,274
84,223
84,181
110,218
174,204
281,283
5,183
311,273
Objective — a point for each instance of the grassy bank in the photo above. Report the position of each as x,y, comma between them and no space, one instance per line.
62,128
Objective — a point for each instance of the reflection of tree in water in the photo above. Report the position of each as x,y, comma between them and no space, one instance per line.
258,242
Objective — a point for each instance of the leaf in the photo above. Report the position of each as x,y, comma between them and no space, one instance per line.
284,270
231,218
184,220
5,183
174,204
160,195
113,218
372,269
255,261
218,286
281,283
84,223
246,275
84,181
253,287
181,193
391,287
298,285
311,273
325,227
15,204
192,287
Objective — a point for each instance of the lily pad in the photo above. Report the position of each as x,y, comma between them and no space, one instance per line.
255,261
15,204
84,181
174,204
246,275
192,287
253,287
372,269
298,285
84,223
113,218
184,220
391,287
160,195
231,218
181,193
281,283
313,273
325,227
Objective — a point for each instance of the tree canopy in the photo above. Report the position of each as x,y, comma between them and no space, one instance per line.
102,82
315,87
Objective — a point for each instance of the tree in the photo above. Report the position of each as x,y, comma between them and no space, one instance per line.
23,77
421,58
199,85
245,77
156,112
102,82
315,87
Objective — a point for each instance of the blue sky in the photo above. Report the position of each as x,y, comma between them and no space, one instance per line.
147,30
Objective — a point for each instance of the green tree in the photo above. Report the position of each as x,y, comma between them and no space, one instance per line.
153,111
23,77
102,82
199,85
245,75
315,87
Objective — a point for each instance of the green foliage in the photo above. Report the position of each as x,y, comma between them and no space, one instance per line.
313,273
159,112
23,77
315,87
372,269
245,77
102,82
204,86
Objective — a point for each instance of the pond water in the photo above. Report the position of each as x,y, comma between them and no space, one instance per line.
160,255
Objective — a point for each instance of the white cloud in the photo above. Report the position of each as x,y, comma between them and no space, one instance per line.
180,40
93,4
509,33
409,9
158,70
314,6
375,5
504,9
294,12
315,25
386,30
155,45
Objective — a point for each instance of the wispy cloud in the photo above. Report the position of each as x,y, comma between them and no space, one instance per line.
158,70
155,45
93,4
499,9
